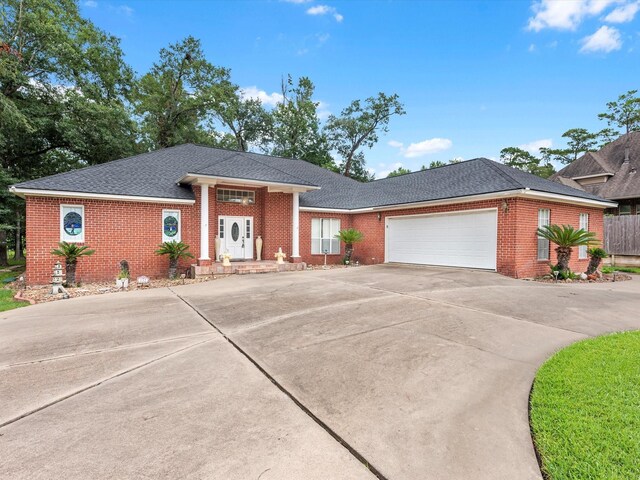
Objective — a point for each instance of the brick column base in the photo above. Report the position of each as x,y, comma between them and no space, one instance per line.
295,259
204,262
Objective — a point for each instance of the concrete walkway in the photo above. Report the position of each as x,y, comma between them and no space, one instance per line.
420,372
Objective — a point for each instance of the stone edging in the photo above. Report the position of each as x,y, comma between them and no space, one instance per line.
18,296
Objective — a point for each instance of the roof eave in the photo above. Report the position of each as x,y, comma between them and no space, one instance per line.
203,179
34,192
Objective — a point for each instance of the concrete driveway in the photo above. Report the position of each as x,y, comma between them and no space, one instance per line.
415,372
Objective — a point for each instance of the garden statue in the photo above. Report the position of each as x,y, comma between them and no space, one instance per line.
226,259
280,256
56,280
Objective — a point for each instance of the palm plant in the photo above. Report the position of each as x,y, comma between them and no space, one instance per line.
175,251
566,237
349,236
71,253
595,258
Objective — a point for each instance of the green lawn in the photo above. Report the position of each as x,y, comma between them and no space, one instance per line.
585,410
6,295
621,269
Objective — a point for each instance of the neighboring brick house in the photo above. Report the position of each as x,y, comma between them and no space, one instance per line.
477,214
611,173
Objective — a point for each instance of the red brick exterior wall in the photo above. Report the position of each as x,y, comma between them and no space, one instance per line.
116,230
133,230
517,239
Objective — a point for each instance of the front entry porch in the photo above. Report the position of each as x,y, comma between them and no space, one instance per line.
246,267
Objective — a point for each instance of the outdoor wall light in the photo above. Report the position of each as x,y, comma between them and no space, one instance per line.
505,206
379,216
245,200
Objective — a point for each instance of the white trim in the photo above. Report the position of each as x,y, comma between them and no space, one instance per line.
522,193
607,174
22,192
204,222
165,213
295,234
64,236
199,179
583,249
456,212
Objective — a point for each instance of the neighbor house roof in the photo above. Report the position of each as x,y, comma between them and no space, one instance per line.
162,174
623,178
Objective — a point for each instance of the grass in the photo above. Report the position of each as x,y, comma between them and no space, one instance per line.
585,410
6,295
621,269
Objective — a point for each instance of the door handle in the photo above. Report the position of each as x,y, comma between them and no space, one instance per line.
243,242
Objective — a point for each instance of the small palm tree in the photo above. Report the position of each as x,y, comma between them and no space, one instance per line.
595,258
349,236
175,251
566,237
71,253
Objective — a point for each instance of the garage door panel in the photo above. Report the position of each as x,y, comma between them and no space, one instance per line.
460,240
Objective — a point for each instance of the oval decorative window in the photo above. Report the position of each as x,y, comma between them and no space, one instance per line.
170,226
235,231
73,223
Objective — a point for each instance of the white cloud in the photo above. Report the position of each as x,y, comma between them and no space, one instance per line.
323,110
419,149
623,14
90,4
265,98
605,39
535,146
325,10
532,48
387,169
564,14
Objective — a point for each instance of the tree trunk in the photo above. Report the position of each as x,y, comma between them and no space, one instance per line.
594,263
564,255
173,268
4,260
71,273
348,251
17,254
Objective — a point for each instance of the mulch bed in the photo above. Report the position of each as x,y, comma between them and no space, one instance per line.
601,278
41,293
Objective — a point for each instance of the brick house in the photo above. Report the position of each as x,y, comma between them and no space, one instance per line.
477,214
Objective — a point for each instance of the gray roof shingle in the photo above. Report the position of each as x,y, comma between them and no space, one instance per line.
155,174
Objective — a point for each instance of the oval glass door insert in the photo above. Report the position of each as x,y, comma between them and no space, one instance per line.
235,231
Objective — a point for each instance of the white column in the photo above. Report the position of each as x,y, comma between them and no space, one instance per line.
204,222
295,244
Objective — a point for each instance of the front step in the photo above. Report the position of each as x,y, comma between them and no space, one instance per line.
245,268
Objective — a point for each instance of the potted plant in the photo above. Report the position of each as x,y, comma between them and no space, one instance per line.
71,253
175,251
123,279
349,236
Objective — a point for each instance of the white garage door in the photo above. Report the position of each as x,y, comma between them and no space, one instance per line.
457,240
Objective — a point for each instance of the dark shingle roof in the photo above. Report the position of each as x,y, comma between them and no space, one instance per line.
625,182
155,174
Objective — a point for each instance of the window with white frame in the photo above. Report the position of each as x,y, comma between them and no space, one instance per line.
170,225
245,197
544,218
323,236
72,223
584,225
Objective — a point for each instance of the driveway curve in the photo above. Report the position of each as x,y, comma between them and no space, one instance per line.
422,372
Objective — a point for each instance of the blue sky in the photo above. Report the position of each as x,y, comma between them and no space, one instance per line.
474,76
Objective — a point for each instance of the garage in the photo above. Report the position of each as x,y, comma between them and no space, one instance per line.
460,239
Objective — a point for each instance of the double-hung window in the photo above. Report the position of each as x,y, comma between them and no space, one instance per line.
72,223
544,218
584,225
323,236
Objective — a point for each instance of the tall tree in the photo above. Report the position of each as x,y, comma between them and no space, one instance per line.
63,90
579,142
624,113
358,126
246,119
295,129
174,98
398,171
522,160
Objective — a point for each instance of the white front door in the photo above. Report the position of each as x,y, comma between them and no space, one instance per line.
236,236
